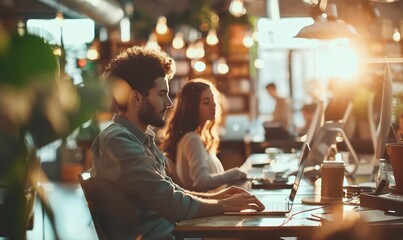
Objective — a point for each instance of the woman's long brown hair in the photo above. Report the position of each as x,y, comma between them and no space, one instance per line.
184,118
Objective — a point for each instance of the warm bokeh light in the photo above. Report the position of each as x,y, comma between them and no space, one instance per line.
125,33
340,60
120,91
178,41
259,63
191,52
21,27
212,38
396,35
222,66
237,8
161,27
57,52
92,54
247,40
199,66
199,49
152,42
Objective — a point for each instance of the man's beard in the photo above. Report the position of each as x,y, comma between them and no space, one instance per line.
148,115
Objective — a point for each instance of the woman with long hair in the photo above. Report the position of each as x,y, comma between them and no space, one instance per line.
191,139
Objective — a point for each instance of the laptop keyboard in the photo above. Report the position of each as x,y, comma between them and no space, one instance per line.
276,206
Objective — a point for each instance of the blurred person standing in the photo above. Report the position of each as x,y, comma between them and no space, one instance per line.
282,108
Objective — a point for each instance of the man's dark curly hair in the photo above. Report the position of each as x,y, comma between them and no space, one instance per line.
139,67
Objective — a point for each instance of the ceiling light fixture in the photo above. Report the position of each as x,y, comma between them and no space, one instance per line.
161,27
152,42
212,38
237,8
247,40
178,41
396,35
329,28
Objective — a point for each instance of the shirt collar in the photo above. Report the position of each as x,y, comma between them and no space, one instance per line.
133,129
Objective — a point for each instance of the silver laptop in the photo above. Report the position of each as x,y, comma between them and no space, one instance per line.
236,126
275,205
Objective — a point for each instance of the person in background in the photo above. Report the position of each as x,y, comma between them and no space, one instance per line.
281,113
125,152
308,111
192,140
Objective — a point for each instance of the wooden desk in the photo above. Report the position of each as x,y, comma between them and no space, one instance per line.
294,224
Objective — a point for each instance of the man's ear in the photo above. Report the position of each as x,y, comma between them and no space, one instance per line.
135,97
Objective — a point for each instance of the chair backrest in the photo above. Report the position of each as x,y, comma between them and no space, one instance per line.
32,173
114,214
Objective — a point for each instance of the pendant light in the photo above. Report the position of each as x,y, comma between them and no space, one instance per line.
328,28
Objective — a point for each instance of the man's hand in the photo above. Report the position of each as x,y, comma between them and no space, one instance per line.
228,192
241,201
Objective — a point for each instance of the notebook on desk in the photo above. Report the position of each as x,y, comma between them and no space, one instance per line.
280,206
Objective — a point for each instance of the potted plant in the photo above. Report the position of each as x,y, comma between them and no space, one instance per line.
36,108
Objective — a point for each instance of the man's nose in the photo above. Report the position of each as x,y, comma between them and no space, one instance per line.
168,103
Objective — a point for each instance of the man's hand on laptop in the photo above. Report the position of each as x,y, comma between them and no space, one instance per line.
241,201
228,192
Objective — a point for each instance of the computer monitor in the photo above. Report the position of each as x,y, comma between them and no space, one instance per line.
325,137
316,123
383,129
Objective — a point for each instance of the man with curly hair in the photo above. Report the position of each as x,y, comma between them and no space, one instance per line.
126,155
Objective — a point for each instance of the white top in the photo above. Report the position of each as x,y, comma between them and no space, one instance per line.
196,169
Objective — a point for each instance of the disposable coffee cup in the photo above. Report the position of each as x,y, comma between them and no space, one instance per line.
395,152
332,173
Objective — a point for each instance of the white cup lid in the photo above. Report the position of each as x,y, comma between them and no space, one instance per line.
333,163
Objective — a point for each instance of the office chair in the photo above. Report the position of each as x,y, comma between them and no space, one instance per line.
14,201
114,214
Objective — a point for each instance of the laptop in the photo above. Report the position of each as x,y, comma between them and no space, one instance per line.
255,173
280,205
236,126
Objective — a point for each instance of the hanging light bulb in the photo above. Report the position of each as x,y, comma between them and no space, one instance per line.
199,49
199,66
59,16
178,41
237,8
214,20
222,66
125,30
259,63
212,38
247,40
161,27
57,51
21,28
103,34
191,52
396,35
92,53
152,42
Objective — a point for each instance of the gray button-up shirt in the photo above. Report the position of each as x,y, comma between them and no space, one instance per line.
130,159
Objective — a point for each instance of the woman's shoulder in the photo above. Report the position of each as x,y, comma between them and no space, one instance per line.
190,135
190,138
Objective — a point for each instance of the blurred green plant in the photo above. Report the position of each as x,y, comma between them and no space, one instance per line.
397,107
36,107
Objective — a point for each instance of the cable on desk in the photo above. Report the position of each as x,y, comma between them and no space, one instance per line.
307,210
